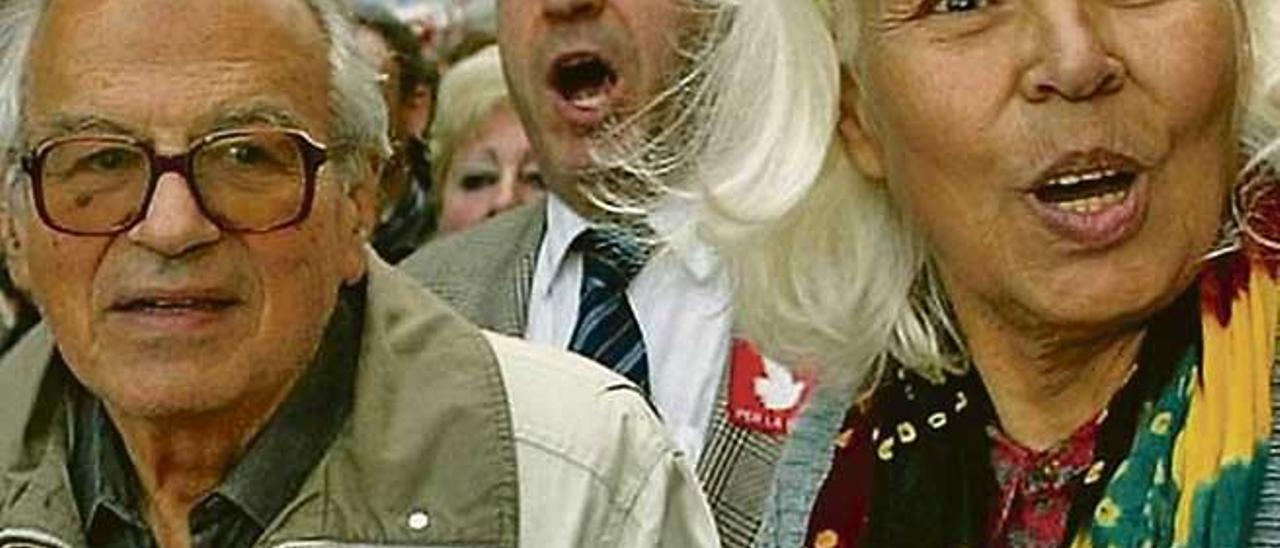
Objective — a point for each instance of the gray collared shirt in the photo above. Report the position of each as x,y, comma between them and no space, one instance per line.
259,485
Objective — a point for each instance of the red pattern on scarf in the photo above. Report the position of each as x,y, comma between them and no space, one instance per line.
1037,488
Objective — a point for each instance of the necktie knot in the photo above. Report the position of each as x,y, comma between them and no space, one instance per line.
611,254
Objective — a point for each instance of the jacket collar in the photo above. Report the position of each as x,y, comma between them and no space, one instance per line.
513,322
429,441
36,503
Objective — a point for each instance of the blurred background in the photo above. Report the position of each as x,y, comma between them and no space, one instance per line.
449,29
460,154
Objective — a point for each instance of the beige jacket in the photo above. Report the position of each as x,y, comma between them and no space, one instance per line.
457,438
486,274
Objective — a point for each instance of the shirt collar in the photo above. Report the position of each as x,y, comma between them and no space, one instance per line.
102,479
563,227
296,438
274,466
680,244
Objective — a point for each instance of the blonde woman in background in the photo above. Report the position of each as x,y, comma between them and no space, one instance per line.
481,157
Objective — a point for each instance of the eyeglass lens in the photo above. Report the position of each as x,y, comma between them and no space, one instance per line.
251,181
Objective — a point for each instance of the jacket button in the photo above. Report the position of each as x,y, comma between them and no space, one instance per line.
419,521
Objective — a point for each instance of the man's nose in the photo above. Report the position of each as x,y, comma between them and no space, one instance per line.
174,223
1070,55
569,9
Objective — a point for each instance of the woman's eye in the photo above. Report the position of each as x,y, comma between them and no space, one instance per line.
534,179
958,6
476,182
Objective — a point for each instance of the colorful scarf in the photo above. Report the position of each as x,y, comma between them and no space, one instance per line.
1180,455
1193,475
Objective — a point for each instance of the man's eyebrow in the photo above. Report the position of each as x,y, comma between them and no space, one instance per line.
255,114
67,125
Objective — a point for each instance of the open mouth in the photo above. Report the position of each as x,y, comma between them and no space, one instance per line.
167,305
1087,192
585,81
1096,198
1087,183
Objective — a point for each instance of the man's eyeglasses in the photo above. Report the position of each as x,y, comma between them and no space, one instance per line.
250,181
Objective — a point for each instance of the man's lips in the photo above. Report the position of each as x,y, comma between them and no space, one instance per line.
174,302
182,312
1096,198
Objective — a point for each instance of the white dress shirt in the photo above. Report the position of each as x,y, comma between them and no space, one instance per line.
681,300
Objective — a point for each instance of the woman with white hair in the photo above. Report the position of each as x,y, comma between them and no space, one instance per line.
1039,271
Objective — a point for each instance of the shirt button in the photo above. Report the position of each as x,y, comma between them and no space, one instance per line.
419,521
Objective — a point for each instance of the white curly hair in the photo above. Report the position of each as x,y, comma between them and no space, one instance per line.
826,268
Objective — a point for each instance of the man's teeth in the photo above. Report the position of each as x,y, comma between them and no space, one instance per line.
1086,206
171,303
178,304
589,98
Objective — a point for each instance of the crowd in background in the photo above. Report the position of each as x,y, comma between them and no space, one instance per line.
459,153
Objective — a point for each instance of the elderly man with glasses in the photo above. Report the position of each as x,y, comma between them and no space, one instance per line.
224,361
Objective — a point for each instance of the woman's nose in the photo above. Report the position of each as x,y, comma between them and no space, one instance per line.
504,196
1071,58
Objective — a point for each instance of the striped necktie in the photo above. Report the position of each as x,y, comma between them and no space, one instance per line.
607,330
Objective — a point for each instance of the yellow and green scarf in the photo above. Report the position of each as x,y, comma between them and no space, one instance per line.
1193,476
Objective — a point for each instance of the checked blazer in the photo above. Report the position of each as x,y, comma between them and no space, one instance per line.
486,274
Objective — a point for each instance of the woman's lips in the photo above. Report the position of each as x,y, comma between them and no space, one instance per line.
1097,198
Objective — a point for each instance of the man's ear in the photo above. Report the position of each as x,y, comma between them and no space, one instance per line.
361,204
859,137
12,235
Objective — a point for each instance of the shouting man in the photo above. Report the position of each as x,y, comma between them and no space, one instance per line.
624,101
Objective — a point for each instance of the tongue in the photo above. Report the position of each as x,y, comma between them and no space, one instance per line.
585,83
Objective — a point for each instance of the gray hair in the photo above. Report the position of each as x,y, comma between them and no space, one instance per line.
827,268
359,114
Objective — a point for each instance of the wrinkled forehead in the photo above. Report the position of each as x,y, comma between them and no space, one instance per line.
851,18
171,69
854,12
